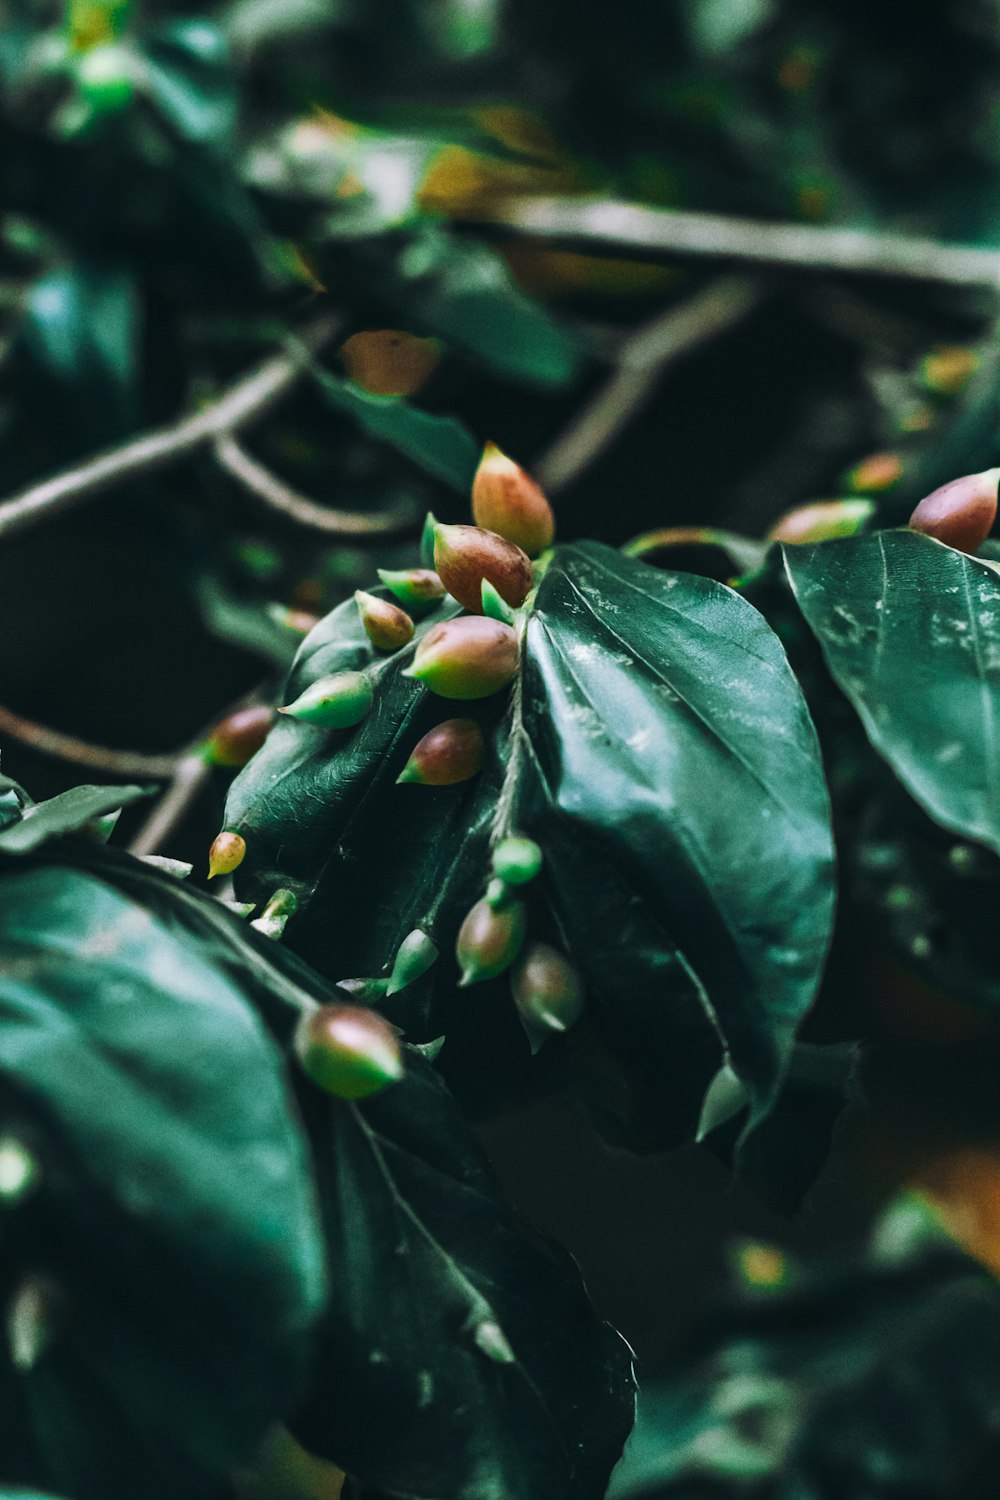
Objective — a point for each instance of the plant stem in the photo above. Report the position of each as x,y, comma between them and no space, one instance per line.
249,398
642,357
272,491
637,230
130,763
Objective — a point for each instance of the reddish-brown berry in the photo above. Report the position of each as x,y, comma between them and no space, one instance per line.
226,854
506,499
386,625
489,940
349,1051
961,513
465,555
467,658
548,991
449,753
238,737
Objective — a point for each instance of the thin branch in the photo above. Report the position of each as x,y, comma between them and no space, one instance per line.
267,487
641,359
249,398
637,230
102,758
191,774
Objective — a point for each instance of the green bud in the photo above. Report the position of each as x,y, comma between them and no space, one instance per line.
427,540
335,702
471,657
821,521
226,854
491,1340
99,830
517,860
493,605
386,625
179,869
548,992
104,75
349,1051
466,555
415,955
497,893
489,940
34,1314
449,753
365,991
418,589
274,918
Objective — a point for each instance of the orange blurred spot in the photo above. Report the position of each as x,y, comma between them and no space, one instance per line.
762,1265
948,369
547,272
798,70
879,471
386,362
963,1187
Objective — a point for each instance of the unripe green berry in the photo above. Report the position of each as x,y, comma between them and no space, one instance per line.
467,658
547,989
104,75
274,918
335,702
517,860
465,555
449,753
349,1051
419,589
489,940
415,955
505,499
962,513
226,854
386,625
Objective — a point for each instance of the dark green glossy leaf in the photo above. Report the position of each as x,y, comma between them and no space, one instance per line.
66,813
874,1377
681,805
174,1213
80,330
189,76
910,630
462,1357
663,759
463,292
442,446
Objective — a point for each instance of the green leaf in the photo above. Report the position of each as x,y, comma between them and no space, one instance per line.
658,750
461,1358
910,630
66,813
463,292
173,1222
190,78
442,446
681,806
872,1377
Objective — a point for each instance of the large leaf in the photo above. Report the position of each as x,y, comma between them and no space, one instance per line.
676,763
910,630
173,1224
462,1359
874,1377
657,747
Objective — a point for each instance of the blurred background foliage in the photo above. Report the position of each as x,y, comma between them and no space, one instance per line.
368,190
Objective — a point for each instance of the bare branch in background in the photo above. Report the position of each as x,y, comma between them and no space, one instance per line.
272,491
651,233
641,359
102,758
245,401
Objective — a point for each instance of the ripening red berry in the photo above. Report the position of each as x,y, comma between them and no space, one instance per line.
237,738
506,499
960,514
448,754
226,854
386,625
489,940
467,658
349,1051
465,555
